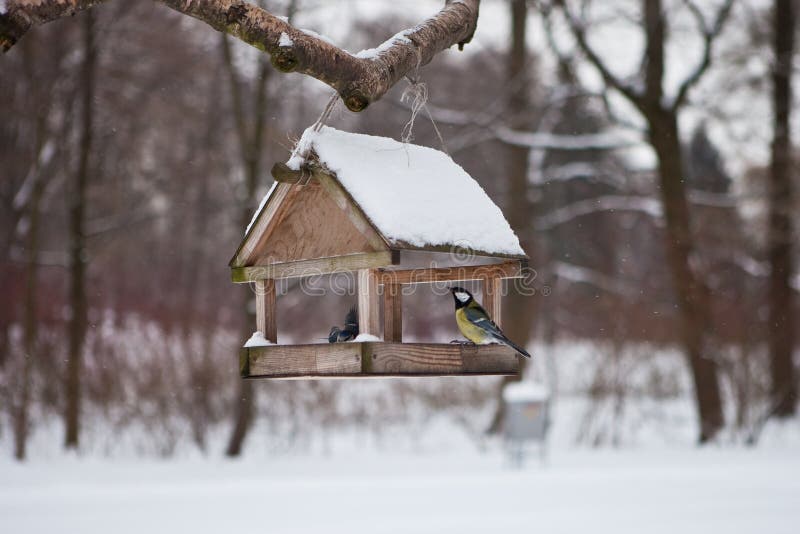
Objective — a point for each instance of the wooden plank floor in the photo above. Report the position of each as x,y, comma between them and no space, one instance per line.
376,359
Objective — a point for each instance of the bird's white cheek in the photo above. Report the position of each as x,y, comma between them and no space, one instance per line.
463,297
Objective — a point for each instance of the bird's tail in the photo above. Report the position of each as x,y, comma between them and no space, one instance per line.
351,320
505,341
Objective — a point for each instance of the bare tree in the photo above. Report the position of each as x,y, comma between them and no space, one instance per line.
781,317
250,136
660,112
359,79
520,322
77,252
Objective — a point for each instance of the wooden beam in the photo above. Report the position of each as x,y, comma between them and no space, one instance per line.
492,298
266,319
393,313
368,318
286,175
374,359
295,269
260,225
509,269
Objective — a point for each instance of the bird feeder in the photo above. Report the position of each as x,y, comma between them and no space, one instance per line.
393,214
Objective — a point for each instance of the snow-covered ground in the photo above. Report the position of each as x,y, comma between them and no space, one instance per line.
428,472
680,489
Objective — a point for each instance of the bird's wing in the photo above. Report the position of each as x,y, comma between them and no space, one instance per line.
478,316
333,336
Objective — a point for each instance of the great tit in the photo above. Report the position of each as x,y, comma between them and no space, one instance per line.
350,330
475,323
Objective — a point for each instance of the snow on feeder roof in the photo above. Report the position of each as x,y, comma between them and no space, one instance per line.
414,195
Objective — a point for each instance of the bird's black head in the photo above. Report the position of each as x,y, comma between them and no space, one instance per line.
461,296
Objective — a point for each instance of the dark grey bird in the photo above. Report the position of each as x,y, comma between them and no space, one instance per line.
350,330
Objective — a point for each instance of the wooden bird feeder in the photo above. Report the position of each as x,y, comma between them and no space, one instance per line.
394,214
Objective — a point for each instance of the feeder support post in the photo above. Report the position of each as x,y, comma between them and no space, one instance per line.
492,295
393,313
266,320
368,318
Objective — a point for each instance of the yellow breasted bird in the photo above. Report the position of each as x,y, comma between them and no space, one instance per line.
475,323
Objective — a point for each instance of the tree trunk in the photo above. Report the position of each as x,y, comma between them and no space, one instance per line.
77,269
781,319
519,317
250,141
21,423
692,295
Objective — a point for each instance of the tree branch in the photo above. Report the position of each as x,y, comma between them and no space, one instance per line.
709,36
579,33
359,79
655,33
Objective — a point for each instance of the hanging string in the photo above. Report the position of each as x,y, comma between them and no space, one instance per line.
326,113
417,94
436,129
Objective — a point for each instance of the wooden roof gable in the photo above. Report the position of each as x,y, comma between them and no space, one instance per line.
310,223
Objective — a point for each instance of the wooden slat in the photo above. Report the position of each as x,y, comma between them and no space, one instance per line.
393,313
368,311
510,269
365,360
266,319
498,359
351,208
285,361
492,298
294,269
440,359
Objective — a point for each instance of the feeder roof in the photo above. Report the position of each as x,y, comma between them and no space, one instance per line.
415,196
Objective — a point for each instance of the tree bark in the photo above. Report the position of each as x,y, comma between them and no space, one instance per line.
781,316
359,80
691,293
78,259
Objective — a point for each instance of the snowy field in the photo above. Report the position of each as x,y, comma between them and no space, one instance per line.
673,490
431,473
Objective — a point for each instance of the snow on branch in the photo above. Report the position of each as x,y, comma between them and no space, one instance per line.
578,274
359,79
646,205
550,141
